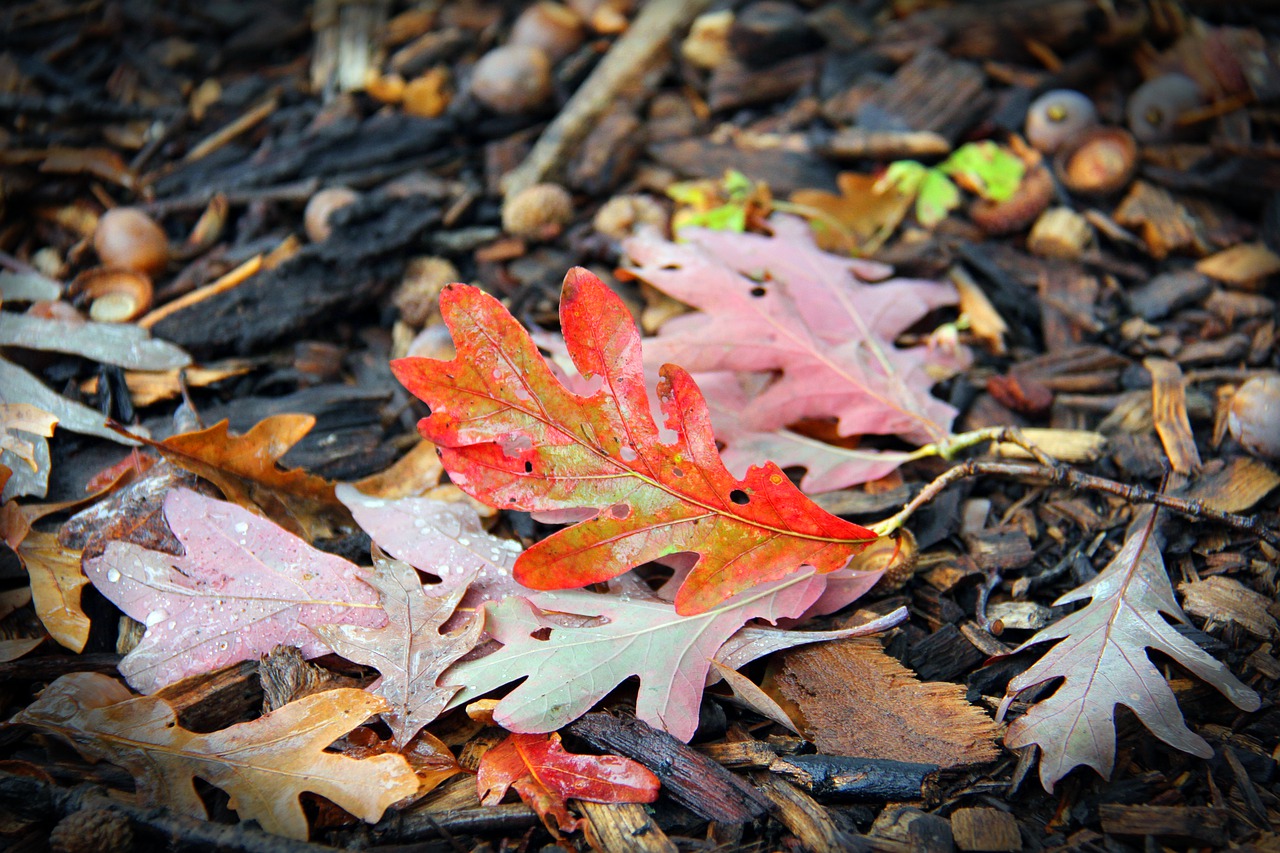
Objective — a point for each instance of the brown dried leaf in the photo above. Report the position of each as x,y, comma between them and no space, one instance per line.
56,583
858,701
245,467
264,765
860,218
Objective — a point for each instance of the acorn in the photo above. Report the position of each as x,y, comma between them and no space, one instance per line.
1018,211
321,206
114,295
1254,416
1056,116
126,238
92,831
512,79
1097,162
1154,107
896,555
418,295
539,212
622,215
553,28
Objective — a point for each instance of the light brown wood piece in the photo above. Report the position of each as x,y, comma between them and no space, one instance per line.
622,828
1166,226
1220,599
740,755
1235,486
809,822
985,829
1169,408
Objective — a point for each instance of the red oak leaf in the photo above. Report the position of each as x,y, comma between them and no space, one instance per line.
545,776
512,435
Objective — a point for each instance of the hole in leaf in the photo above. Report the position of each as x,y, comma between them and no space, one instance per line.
620,511
528,467
739,497
543,634
628,453
679,472
759,291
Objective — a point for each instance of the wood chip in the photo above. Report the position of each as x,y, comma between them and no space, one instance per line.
1201,824
985,829
1169,406
858,701
1235,486
1242,264
1220,599
622,828
1166,226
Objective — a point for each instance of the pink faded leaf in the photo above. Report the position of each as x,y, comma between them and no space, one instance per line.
1103,659
410,651
244,586
441,538
780,304
573,668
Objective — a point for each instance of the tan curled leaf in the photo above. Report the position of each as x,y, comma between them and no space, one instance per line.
263,765
410,651
56,584
18,418
1103,659
858,701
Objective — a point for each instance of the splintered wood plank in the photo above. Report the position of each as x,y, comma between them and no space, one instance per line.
858,701
985,829
1169,407
1235,486
691,778
622,828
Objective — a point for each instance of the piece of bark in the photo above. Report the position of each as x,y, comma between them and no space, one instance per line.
919,831
854,143
1165,225
608,153
1000,548
931,92
214,700
286,677
783,171
985,829
740,755
1220,599
802,815
944,655
1235,486
645,39
692,779
1196,824
1168,291
1243,265
858,701
622,828
735,85
358,264
1169,409
845,779
1001,30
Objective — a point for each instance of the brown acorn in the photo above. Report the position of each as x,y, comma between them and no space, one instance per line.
1098,161
126,238
512,79
539,212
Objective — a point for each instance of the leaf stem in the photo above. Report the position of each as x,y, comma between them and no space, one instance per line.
1048,470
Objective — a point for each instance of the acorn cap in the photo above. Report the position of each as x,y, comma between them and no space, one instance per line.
113,295
1098,161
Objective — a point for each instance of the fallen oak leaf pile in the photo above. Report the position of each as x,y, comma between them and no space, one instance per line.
1103,660
410,651
512,435
264,764
778,304
243,586
546,776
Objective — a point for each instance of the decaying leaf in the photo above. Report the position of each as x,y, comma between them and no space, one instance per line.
780,304
19,386
19,418
860,218
243,586
858,701
245,468
122,344
569,669
546,776
1103,659
409,651
442,539
56,584
264,764
512,434
16,648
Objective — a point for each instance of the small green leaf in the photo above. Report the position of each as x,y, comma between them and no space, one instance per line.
937,197
904,175
988,169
